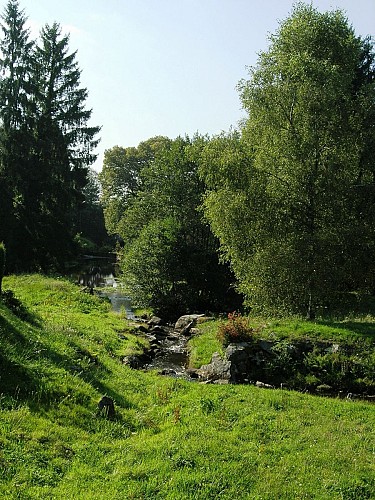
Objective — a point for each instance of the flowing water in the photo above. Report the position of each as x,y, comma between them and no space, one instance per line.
120,302
171,357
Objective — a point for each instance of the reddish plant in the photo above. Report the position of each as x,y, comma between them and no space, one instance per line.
236,329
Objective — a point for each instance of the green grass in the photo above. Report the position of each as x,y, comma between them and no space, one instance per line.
203,346
349,369
349,331
345,329
170,439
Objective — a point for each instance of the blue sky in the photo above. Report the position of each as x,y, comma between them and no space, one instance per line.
170,67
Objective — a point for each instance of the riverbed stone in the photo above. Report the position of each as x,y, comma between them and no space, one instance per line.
167,371
192,373
155,321
219,368
136,361
141,328
242,359
159,331
154,344
186,322
263,385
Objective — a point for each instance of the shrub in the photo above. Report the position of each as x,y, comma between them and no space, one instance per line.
236,329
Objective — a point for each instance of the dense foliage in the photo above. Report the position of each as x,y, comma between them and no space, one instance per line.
92,236
291,196
46,143
2,264
121,177
169,260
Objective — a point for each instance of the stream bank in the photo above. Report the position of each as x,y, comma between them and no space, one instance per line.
307,365
326,368
168,353
168,343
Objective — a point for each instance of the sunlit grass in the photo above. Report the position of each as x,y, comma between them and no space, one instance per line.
203,346
170,439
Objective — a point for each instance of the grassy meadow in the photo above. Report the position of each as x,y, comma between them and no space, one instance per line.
61,350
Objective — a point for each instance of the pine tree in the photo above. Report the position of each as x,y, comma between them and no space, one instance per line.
15,115
64,141
16,50
46,143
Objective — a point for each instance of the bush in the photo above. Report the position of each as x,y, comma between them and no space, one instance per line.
236,329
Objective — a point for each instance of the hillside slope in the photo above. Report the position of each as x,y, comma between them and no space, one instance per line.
61,351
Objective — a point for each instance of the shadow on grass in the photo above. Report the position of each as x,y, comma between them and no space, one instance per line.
16,380
10,301
356,329
23,376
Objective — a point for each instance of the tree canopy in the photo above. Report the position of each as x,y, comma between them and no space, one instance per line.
121,177
291,197
169,259
287,201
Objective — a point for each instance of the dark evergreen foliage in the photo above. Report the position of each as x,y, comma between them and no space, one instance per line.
46,144
2,264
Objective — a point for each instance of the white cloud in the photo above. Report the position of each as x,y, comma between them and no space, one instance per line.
34,27
72,30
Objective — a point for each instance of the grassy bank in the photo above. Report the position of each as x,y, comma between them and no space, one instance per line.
324,356
170,439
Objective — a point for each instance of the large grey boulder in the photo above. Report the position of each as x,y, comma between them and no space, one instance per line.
186,322
218,369
233,367
241,359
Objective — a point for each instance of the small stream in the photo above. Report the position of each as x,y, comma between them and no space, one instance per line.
120,302
172,359
169,354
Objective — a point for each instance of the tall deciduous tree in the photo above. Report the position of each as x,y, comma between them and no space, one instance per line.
170,259
309,187
121,177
